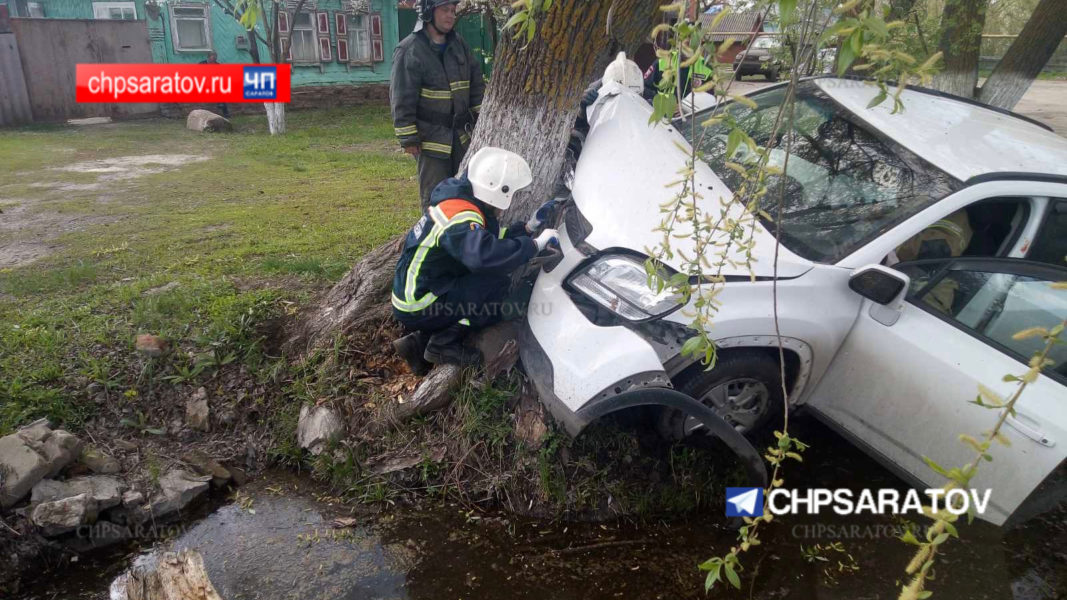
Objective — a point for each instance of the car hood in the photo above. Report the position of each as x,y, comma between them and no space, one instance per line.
752,54
622,178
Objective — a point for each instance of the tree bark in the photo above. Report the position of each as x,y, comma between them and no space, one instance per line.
1027,55
530,107
533,95
960,42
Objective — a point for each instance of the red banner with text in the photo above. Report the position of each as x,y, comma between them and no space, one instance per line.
115,83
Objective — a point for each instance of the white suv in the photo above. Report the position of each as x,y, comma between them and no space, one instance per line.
890,357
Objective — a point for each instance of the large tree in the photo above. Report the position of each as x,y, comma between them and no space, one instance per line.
1027,55
530,107
960,42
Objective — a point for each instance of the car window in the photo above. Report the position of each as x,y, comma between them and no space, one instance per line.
1050,246
995,306
844,184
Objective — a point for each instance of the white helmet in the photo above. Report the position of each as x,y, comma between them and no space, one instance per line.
496,174
625,72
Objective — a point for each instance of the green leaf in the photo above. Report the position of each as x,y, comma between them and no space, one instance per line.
877,99
516,19
940,539
547,5
733,140
731,575
936,467
691,346
951,529
530,31
845,58
786,8
909,538
923,595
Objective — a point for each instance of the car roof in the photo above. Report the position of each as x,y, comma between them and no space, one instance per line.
963,138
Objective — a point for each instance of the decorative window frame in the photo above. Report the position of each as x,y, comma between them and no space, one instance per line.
174,18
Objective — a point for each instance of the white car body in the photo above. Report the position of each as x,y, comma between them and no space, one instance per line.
893,377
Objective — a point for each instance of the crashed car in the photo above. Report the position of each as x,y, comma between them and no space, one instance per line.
886,345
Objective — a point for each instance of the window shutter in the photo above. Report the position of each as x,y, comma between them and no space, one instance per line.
342,50
283,21
324,23
341,21
325,53
284,40
377,50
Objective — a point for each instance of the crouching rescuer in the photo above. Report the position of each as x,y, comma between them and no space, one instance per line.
453,273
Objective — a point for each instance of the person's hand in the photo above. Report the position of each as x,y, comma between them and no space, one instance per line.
547,236
412,150
541,216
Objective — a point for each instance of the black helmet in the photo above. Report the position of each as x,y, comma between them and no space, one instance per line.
426,7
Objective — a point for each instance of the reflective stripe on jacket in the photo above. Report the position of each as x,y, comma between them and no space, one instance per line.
453,238
433,94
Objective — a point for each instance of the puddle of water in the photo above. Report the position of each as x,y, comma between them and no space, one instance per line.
287,549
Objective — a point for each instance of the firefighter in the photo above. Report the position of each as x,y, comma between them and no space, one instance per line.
435,92
947,238
452,276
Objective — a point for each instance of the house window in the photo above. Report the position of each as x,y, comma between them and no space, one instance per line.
359,38
113,10
35,10
191,28
304,44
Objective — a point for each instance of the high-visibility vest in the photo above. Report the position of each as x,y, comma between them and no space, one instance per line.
700,71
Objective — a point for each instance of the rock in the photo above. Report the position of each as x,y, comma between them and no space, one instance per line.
205,465
150,345
205,120
105,490
434,392
161,289
58,447
318,426
390,463
177,489
132,498
180,576
21,467
99,463
240,477
197,412
62,516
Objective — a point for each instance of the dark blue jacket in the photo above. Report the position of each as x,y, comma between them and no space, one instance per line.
457,235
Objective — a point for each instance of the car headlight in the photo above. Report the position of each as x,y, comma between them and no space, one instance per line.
619,283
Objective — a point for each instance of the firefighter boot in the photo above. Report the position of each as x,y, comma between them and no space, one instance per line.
410,348
446,347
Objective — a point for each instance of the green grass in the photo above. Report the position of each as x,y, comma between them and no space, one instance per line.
263,220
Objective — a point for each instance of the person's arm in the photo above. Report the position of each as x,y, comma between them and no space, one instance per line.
404,82
482,252
477,83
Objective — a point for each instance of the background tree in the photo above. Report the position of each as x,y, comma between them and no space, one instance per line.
960,44
1027,55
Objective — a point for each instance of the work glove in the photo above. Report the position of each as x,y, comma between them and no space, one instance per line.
547,237
542,216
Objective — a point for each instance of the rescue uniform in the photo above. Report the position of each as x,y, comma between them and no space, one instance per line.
435,95
455,263
947,238
698,73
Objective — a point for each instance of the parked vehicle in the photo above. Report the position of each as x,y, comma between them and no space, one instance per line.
888,353
759,59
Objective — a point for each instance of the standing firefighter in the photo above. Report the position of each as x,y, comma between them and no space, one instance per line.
435,92
453,273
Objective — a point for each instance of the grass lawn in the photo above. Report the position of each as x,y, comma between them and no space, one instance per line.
193,237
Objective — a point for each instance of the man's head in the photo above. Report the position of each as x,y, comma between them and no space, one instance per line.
496,174
212,57
439,13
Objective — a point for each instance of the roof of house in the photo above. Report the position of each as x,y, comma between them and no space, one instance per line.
731,23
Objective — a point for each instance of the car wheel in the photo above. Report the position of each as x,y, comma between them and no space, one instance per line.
744,389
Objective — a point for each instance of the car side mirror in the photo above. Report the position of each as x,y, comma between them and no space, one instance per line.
883,286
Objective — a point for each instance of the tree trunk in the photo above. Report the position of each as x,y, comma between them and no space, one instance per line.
1027,55
960,42
530,107
275,117
533,95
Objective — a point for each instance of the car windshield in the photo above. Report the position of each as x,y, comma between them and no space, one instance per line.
844,186
764,42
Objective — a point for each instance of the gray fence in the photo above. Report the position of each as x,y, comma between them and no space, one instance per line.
49,51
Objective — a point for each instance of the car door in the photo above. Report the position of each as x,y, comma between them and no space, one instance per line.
905,390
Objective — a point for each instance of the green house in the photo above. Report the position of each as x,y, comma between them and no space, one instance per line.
333,42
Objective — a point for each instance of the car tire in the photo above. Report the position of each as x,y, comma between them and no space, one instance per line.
752,377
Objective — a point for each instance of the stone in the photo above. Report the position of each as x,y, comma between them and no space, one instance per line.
205,120
177,489
205,465
60,449
21,467
318,426
150,345
62,516
160,289
197,411
99,463
132,498
105,490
